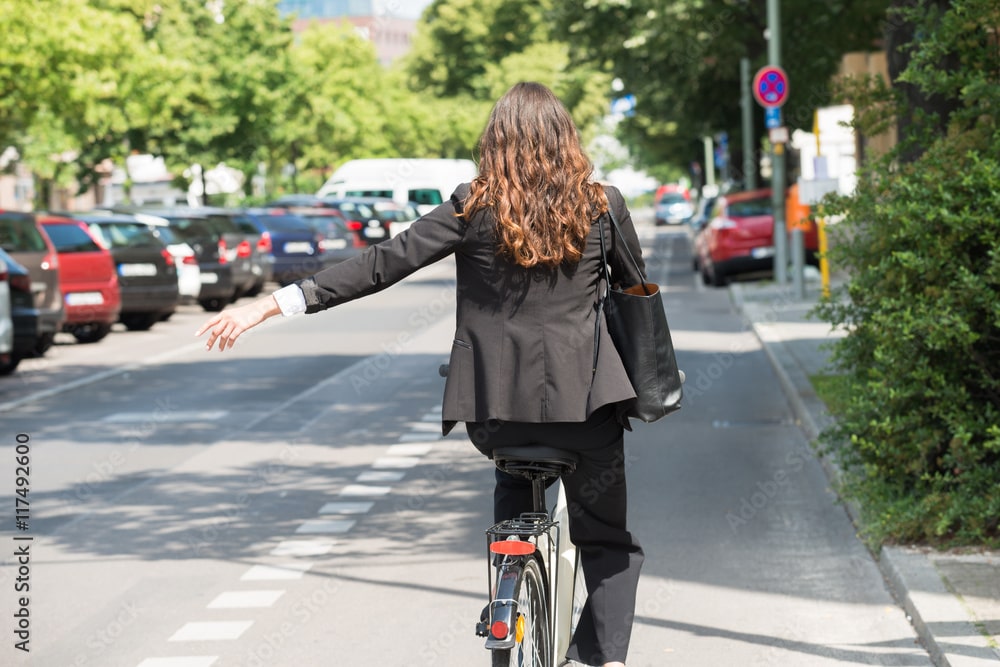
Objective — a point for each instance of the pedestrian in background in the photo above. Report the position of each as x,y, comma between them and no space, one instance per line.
523,367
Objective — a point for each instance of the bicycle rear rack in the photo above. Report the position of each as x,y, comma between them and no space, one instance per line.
537,529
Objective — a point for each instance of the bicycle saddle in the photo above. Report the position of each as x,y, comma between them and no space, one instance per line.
535,460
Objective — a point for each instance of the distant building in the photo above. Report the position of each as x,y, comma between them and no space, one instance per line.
390,35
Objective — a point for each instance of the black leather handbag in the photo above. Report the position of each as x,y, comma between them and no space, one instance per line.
638,327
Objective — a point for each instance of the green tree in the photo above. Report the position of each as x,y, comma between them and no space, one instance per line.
467,53
680,58
65,76
223,67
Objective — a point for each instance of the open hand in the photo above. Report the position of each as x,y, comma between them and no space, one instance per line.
228,325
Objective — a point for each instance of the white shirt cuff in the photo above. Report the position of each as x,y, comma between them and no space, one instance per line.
290,300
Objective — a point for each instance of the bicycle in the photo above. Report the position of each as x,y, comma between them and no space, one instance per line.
536,588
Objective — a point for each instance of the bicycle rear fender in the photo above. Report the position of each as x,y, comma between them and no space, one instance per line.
503,605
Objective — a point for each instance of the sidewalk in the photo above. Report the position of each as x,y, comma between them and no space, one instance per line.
952,600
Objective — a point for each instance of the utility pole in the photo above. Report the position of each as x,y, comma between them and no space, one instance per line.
778,154
749,154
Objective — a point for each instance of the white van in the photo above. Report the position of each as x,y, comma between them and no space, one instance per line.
425,182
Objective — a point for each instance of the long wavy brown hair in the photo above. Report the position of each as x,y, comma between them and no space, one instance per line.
536,179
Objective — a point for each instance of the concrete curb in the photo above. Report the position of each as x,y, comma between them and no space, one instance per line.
917,585
929,604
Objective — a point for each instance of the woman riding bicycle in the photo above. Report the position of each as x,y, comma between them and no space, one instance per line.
523,369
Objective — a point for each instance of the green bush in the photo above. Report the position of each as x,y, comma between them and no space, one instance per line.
918,435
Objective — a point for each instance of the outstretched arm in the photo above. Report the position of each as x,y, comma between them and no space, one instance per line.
227,326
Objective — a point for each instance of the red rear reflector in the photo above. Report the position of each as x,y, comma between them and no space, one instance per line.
512,548
244,249
499,629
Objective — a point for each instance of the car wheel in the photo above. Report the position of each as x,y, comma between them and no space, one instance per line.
718,277
91,333
706,279
8,367
43,343
256,289
213,305
139,321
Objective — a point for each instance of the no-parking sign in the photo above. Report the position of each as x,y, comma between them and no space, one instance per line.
770,86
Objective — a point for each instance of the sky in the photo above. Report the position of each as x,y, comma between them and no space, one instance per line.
409,9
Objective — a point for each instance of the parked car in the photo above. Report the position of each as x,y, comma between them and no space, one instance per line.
673,208
260,261
224,253
338,242
87,278
362,218
293,248
24,314
702,213
22,237
147,276
6,320
185,260
739,238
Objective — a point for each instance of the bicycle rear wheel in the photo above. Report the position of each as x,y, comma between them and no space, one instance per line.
535,647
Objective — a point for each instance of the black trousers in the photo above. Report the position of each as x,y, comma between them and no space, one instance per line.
597,502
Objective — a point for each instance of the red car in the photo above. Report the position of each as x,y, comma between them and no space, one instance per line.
87,278
739,238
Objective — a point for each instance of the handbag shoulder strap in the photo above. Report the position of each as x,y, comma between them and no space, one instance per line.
621,235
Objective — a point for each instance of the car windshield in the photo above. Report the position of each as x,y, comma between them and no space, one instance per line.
190,229
18,233
671,198
165,234
357,211
222,224
752,207
70,238
124,234
284,223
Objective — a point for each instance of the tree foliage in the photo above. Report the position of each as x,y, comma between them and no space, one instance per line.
681,59
920,436
472,51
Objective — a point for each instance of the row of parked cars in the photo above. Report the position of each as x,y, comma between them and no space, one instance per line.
81,272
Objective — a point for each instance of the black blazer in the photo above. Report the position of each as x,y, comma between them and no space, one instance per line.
524,338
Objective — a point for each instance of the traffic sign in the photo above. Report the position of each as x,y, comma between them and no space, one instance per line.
770,86
772,117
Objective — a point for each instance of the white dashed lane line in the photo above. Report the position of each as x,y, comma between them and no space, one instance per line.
211,631
333,520
346,507
364,491
245,599
326,526
187,661
300,548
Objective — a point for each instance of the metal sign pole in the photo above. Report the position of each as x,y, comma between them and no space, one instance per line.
778,155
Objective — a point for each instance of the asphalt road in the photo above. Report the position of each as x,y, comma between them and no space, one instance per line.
292,503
